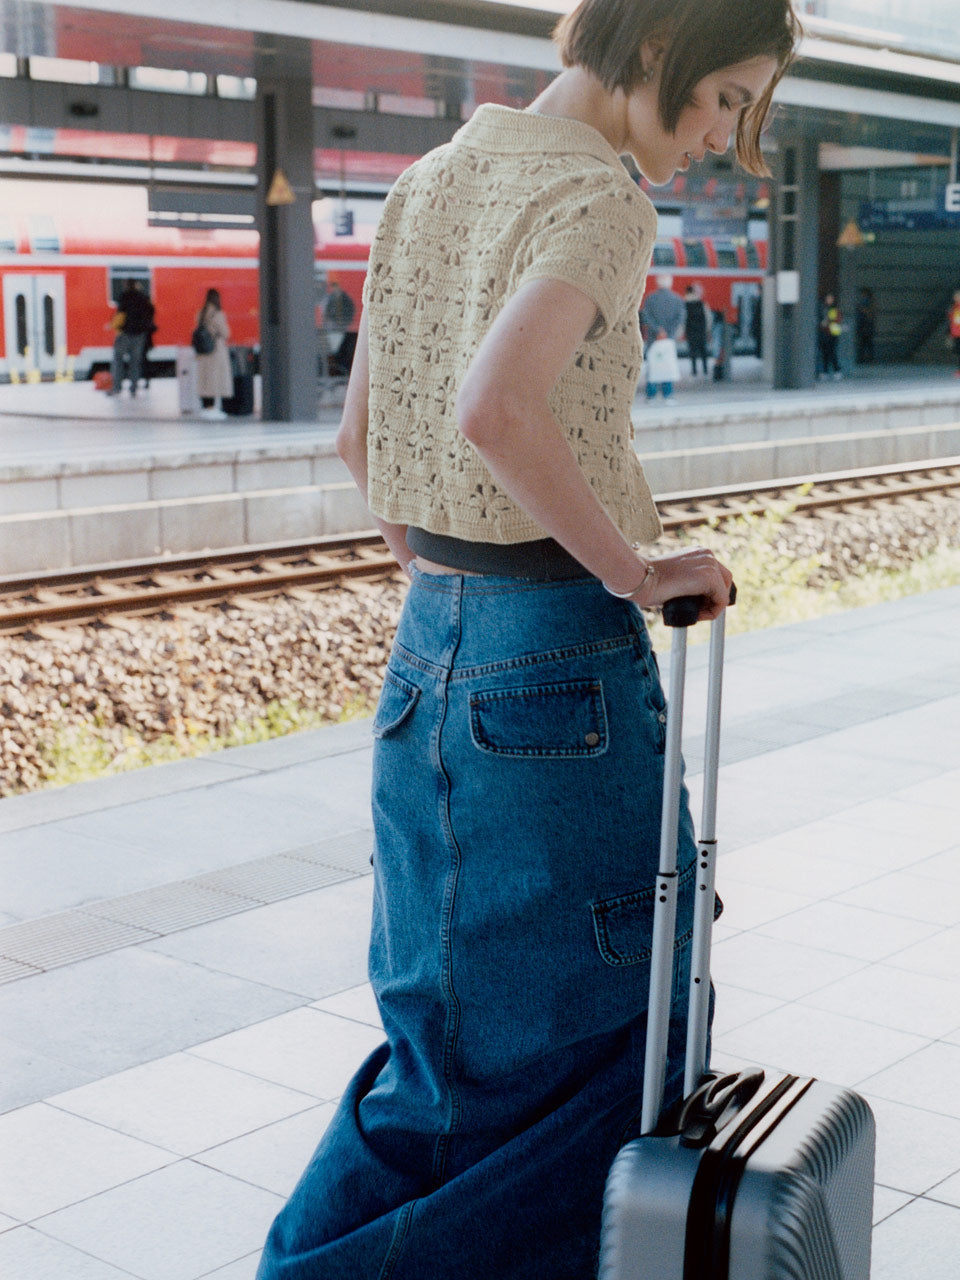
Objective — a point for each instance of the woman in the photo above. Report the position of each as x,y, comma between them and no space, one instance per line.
831,327
697,327
953,325
519,737
214,376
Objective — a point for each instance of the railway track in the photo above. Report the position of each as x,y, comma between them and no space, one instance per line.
115,595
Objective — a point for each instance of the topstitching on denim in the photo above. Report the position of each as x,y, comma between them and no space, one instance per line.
453,1012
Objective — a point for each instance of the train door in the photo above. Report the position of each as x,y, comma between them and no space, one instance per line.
35,322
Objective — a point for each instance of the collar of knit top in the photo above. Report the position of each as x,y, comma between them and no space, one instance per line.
504,129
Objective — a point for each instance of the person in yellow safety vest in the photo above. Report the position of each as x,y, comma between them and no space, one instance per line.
831,326
953,323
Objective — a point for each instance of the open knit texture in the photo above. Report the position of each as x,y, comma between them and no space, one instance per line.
513,197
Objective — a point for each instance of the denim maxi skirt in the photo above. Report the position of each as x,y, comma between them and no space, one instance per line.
518,772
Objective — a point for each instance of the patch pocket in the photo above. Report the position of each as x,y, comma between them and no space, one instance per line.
397,699
624,925
566,719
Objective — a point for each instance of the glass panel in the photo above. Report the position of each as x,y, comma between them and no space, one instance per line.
696,253
120,275
64,70
168,81
8,241
664,254
21,309
49,335
931,25
726,256
753,258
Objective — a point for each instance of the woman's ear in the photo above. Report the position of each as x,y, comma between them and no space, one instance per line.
652,51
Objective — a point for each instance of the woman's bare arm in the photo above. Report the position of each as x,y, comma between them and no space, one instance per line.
352,439
503,410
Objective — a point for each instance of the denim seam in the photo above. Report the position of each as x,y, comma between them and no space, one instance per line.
468,584
586,649
600,911
396,1243
453,1012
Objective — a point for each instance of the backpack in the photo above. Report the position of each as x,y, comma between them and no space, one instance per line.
202,340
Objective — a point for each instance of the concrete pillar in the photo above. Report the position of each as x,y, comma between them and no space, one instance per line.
794,228
284,133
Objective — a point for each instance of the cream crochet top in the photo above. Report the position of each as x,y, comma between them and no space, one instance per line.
512,197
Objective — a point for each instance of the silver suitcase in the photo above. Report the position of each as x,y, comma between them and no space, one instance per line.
757,1175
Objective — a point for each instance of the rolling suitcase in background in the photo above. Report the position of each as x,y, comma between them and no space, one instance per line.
240,404
757,1175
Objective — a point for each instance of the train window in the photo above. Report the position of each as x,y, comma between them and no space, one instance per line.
726,255
49,336
696,253
44,237
8,241
21,310
120,275
753,258
664,254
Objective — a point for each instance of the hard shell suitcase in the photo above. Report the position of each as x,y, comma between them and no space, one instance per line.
757,1175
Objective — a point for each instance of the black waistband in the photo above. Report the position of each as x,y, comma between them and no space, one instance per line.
543,559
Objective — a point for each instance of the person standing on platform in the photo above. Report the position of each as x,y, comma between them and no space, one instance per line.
697,327
214,375
953,324
338,313
132,320
663,309
518,741
662,366
831,327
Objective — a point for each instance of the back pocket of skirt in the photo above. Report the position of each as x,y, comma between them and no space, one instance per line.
397,699
566,719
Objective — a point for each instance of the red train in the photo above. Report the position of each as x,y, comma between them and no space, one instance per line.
66,250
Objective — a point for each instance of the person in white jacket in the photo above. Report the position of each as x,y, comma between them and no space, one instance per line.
214,376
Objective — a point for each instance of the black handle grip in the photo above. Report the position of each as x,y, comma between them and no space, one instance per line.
683,611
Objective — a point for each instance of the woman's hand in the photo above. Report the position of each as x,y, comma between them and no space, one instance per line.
697,572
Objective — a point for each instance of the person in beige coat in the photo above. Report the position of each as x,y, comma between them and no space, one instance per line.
214,375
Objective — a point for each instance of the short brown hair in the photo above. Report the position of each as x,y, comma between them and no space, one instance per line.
701,36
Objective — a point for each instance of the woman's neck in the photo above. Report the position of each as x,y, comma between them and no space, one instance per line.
577,94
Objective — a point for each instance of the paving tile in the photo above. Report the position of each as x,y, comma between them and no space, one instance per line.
274,1156
929,828
882,849
922,1239
48,868
176,1224
211,828
887,1201
28,1254
118,1010
243,1269
939,956
947,1191
942,791
893,998
940,866
182,1103
901,893
358,1003
312,944
927,1078
56,803
747,906
317,1053
296,748
774,968
769,864
27,1075
916,1149
734,1007
49,1159
7,1224
849,930
813,1043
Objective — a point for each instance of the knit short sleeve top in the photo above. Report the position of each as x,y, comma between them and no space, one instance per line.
513,197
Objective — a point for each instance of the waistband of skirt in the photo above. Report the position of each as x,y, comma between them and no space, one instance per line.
542,560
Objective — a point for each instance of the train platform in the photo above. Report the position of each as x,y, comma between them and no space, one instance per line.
182,954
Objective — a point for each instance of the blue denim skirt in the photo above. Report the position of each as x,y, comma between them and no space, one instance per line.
518,772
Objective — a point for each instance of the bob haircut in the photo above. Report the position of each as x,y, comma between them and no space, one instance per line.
701,36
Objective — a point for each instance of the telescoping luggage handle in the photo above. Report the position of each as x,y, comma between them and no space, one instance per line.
681,614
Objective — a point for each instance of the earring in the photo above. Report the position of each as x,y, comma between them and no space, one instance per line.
648,75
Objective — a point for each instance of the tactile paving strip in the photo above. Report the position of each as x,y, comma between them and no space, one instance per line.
34,946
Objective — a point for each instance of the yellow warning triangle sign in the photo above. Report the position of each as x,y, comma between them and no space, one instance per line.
280,191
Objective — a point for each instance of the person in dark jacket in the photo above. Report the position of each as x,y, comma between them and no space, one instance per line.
697,327
133,321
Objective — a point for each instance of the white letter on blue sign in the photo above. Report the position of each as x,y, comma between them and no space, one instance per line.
952,202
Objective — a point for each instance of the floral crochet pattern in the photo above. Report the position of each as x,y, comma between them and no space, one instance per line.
514,197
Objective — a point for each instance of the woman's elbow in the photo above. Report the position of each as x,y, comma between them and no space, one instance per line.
351,445
486,418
